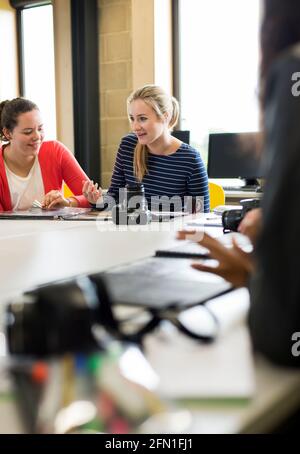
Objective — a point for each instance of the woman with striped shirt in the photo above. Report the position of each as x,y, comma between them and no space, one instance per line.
152,156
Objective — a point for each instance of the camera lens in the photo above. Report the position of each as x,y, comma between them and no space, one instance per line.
249,204
132,208
231,219
135,197
135,189
53,319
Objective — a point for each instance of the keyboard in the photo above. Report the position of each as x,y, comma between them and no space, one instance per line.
241,188
156,267
188,250
159,283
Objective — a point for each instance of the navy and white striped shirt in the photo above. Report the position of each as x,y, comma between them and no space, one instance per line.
179,174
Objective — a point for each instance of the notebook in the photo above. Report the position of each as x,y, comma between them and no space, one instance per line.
161,283
186,249
165,216
92,215
37,213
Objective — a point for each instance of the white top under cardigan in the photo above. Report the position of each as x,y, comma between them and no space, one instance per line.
24,190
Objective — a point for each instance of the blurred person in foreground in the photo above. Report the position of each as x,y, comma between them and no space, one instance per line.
271,271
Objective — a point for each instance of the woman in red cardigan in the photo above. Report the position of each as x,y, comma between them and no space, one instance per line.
31,169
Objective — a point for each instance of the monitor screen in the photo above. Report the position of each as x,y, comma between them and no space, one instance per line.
234,155
184,136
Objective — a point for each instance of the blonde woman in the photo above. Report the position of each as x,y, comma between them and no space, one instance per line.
152,156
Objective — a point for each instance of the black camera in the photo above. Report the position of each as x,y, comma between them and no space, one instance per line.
232,218
132,208
60,317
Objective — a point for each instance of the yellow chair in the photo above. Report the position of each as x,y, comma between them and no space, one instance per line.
216,195
67,191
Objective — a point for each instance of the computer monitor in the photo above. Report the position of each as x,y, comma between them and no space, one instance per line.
184,136
234,155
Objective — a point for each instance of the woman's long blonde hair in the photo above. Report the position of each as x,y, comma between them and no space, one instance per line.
162,103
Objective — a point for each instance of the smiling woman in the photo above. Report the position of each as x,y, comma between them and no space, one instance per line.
31,168
167,167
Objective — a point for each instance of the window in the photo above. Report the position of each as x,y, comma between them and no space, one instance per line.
37,70
218,68
38,62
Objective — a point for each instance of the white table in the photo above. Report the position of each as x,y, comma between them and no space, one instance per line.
36,252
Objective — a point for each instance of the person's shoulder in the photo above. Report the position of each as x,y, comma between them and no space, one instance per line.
129,139
287,60
189,151
46,147
128,143
291,54
52,150
1,154
53,145
284,71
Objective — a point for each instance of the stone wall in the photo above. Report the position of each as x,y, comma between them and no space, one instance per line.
135,49
115,78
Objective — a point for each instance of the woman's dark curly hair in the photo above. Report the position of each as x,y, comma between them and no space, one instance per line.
10,111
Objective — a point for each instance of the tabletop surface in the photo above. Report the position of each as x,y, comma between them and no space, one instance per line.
36,252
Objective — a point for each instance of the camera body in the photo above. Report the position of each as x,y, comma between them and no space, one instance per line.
53,319
132,208
231,218
61,317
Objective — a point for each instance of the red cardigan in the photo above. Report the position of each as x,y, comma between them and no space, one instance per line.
57,165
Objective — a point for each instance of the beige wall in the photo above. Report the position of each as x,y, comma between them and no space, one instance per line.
9,84
115,77
135,49
143,35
